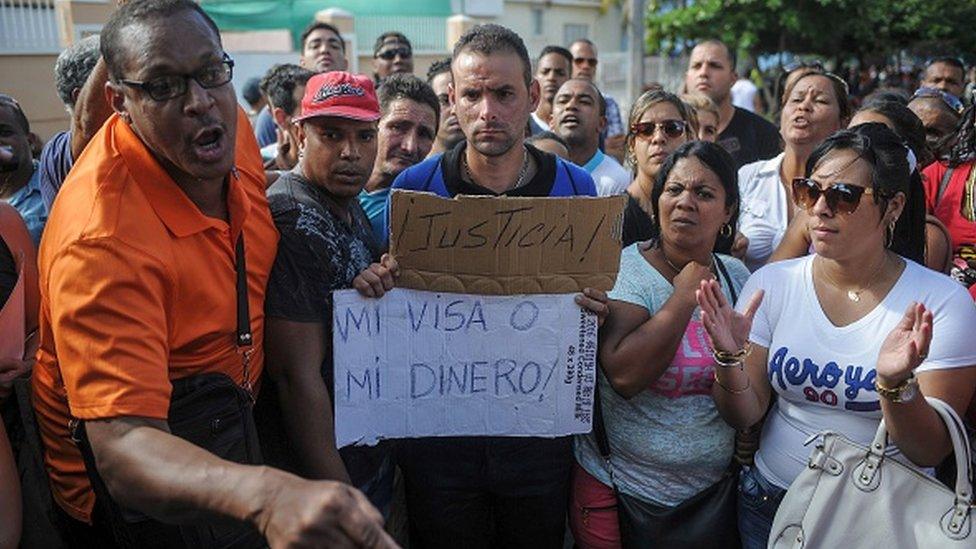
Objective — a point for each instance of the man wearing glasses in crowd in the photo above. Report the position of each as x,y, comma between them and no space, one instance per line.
584,66
392,54
939,112
138,274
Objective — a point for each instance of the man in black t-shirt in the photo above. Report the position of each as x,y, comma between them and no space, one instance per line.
746,136
326,244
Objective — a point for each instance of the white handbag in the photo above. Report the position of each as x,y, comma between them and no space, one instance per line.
855,497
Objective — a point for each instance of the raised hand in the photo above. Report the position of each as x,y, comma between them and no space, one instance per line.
378,278
727,328
688,280
906,346
595,301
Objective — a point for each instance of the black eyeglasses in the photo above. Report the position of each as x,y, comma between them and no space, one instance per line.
671,128
842,198
389,54
171,86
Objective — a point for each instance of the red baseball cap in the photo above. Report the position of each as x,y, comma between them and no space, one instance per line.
341,94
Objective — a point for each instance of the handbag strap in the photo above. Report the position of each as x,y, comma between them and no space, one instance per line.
244,335
728,279
943,183
245,338
960,447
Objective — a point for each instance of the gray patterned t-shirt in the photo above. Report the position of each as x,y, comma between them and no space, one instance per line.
319,252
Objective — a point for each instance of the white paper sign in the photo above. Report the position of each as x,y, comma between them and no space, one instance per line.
422,364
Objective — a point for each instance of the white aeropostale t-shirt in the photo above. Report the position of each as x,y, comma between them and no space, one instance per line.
824,374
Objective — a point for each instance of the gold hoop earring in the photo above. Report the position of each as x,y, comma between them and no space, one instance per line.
726,230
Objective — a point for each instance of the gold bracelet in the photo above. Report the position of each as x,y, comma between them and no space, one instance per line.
723,357
733,391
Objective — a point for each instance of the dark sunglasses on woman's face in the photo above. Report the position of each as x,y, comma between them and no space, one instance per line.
389,54
671,128
842,198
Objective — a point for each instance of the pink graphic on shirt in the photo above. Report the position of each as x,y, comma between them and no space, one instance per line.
691,371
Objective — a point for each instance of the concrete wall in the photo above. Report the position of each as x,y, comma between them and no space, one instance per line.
30,80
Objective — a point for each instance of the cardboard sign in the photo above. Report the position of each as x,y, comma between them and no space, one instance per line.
422,364
502,246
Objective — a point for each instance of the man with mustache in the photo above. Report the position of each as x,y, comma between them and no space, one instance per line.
492,491
326,244
153,271
409,116
579,114
555,66
746,136
448,131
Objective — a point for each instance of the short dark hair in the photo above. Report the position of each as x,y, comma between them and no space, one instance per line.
557,50
948,60
131,13
407,86
381,39
315,25
490,38
251,91
279,85
600,100
733,58
73,66
7,101
438,67
546,135
718,160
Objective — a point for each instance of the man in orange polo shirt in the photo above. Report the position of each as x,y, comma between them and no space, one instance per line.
138,278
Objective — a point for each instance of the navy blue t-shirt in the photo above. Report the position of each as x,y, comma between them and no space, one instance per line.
54,165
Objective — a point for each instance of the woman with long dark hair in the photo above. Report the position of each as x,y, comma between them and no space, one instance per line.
853,333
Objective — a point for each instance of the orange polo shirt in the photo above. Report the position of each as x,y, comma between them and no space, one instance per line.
138,288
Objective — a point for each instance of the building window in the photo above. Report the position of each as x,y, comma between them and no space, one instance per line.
537,21
573,32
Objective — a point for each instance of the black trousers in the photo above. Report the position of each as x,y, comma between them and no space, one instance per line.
483,492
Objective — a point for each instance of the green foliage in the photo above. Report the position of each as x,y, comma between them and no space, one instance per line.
828,28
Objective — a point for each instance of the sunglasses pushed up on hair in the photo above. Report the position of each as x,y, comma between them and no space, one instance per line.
671,128
842,198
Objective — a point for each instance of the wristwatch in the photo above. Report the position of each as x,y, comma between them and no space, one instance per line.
903,392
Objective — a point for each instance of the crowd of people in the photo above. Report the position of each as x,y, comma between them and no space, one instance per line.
167,267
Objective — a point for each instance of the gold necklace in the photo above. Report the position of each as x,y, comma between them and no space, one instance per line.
855,295
711,264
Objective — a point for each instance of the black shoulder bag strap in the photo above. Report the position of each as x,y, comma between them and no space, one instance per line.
942,186
728,279
245,339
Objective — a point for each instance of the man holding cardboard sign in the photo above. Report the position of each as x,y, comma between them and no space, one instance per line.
492,491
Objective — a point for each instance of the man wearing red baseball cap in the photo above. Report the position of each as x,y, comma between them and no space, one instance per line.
326,244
